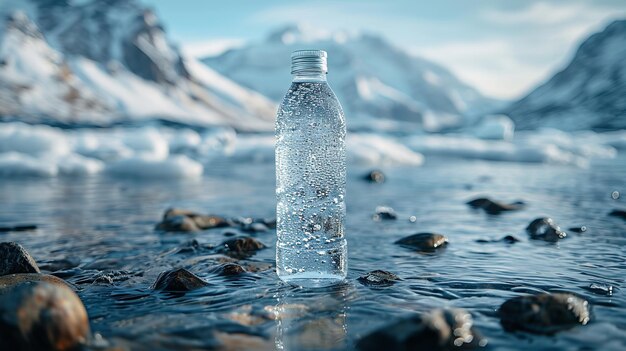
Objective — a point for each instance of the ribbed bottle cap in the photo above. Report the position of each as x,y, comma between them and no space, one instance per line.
308,61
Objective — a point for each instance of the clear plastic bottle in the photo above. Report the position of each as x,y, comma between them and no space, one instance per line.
310,177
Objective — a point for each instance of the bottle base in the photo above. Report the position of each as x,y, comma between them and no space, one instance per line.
312,279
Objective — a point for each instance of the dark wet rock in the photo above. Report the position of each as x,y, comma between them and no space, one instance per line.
601,289
14,259
179,220
229,233
618,213
544,228
240,247
544,313
494,207
450,329
193,246
580,229
40,312
177,224
508,239
375,176
378,278
228,269
178,280
384,213
423,241
59,265
19,228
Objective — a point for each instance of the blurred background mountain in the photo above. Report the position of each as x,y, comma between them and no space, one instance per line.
81,65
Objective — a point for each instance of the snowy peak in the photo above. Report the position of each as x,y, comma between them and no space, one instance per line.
589,93
378,84
107,62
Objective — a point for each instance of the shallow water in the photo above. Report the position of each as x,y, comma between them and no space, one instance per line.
108,224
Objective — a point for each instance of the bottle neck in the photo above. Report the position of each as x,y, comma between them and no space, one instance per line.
309,77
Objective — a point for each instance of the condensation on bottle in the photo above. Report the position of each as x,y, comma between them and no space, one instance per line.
310,177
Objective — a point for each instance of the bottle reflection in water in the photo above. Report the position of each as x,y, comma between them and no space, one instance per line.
310,177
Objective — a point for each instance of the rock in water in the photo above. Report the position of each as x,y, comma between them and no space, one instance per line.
375,176
179,220
494,207
423,241
580,229
544,313
437,330
178,280
40,312
544,228
228,270
240,247
618,213
19,228
14,259
601,289
378,278
384,213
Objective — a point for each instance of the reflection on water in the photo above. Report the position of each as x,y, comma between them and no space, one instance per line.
312,319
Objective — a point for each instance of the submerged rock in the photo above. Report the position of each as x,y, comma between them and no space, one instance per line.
450,329
544,228
375,176
14,259
544,313
178,280
384,213
618,213
494,207
40,312
580,229
509,239
423,241
240,247
19,228
378,278
228,269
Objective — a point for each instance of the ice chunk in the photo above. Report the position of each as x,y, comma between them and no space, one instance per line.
15,164
496,127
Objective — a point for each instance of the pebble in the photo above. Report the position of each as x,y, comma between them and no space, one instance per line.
618,213
439,329
240,247
423,241
384,213
544,228
544,313
180,220
580,229
378,278
178,280
494,207
375,176
509,239
41,312
14,259
19,228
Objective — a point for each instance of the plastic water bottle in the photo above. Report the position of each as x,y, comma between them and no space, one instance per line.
310,177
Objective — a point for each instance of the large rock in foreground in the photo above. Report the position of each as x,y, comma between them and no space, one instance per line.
14,259
438,330
544,313
40,312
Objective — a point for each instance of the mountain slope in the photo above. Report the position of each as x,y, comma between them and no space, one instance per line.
590,93
103,62
377,83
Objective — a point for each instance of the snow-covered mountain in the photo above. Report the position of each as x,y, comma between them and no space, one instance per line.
590,93
379,85
103,62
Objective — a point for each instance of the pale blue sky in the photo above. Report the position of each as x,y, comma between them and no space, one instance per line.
501,47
